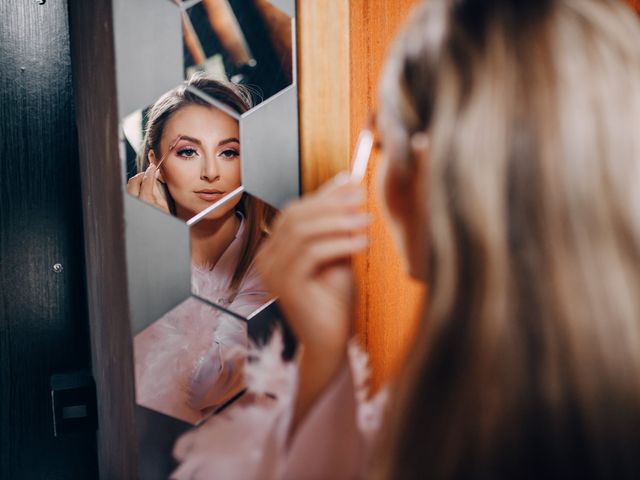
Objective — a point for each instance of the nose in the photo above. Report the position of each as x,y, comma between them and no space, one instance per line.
209,171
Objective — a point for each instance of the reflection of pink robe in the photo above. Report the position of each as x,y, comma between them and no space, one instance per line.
190,360
249,442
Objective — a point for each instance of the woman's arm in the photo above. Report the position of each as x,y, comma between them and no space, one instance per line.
306,263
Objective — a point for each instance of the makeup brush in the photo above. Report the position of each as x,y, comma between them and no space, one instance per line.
364,147
171,147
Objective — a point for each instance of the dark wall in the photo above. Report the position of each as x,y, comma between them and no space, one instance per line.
43,324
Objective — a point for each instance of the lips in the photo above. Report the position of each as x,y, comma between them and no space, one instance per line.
210,195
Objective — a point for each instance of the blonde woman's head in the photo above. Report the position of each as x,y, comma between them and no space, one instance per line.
512,135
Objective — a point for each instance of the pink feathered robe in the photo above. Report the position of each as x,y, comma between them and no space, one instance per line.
190,361
250,441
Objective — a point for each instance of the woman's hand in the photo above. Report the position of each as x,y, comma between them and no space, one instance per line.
147,187
306,262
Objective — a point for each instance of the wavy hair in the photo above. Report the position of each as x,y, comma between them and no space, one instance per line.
528,361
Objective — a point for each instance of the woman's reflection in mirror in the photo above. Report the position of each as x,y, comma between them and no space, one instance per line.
188,362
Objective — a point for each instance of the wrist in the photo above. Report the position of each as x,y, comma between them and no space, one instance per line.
316,352
319,367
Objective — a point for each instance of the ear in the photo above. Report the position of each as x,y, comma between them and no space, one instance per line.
420,148
151,156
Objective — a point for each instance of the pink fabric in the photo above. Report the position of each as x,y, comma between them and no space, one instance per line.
249,441
190,360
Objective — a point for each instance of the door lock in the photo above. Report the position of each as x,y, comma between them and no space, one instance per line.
73,399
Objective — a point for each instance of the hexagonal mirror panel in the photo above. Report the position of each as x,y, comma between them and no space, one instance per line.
185,140
189,363
232,284
245,42
210,325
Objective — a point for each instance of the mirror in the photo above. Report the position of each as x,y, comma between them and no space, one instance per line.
190,138
245,42
189,363
184,159
223,151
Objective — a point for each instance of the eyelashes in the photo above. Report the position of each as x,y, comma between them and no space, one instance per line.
187,152
229,153
190,153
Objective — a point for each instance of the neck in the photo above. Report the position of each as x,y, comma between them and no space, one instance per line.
210,238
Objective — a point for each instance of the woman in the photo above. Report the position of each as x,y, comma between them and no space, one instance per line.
188,362
511,177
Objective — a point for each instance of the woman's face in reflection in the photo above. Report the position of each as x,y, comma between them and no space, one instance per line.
204,165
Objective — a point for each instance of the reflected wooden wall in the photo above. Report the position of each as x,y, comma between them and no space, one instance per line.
342,44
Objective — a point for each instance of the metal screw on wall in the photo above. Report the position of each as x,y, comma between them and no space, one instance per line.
58,268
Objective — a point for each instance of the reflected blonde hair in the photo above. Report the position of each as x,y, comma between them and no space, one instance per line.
258,214
528,361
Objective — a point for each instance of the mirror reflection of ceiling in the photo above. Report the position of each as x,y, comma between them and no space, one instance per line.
246,42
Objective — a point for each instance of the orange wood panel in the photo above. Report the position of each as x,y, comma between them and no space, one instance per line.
323,78
388,302
342,45
635,4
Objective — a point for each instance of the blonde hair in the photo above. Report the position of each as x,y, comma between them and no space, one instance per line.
528,362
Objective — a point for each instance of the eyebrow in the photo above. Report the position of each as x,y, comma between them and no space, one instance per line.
228,140
220,143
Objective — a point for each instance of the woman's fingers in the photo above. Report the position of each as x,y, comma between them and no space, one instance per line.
337,225
332,213
324,252
133,185
146,187
335,196
158,192
336,204
298,257
150,190
290,239
299,232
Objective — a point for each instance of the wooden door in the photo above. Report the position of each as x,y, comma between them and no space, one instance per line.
43,312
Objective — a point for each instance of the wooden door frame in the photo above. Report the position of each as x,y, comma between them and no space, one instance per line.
94,77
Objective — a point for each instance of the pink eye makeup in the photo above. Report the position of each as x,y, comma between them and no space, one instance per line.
187,152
